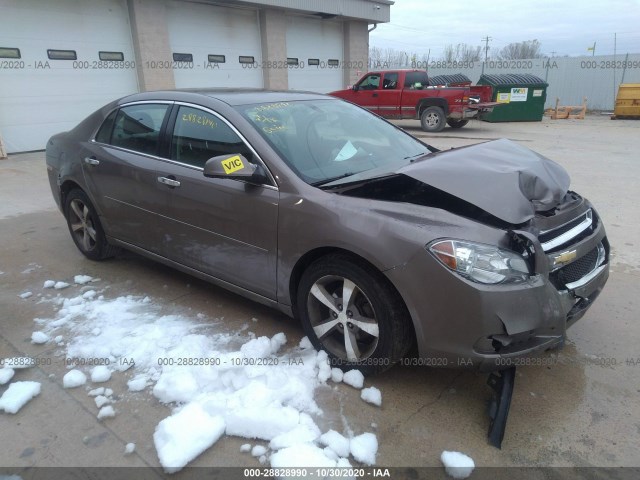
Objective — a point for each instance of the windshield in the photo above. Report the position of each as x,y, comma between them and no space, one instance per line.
324,140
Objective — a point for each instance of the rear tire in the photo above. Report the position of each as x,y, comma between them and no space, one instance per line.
85,227
457,123
349,310
432,119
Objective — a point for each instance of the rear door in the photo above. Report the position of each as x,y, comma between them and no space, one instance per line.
119,167
225,228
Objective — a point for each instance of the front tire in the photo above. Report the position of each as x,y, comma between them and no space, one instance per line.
85,227
432,119
457,123
349,309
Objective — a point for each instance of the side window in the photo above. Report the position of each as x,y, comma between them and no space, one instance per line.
137,127
104,134
416,80
370,82
390,81
199,136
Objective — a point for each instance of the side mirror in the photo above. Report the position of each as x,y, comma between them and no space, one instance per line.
236,167
355,88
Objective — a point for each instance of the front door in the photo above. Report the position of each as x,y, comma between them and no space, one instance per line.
389,96
225,228
366,92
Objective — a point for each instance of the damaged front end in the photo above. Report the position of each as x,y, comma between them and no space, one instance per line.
526,263
529,261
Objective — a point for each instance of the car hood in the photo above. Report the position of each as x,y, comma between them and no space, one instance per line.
505,179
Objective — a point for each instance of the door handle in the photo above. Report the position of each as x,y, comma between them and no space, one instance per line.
375,95
169,182
91,161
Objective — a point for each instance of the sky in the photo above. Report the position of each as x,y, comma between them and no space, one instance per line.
566,27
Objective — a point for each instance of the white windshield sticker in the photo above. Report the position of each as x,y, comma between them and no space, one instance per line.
347,152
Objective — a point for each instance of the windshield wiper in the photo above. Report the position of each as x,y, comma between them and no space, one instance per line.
329,180
413,158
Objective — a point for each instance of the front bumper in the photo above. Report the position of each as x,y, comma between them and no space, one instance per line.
463,324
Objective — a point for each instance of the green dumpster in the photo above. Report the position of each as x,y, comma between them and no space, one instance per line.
522,97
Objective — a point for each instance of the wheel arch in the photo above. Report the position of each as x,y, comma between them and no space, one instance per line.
66,187
432,102
313,255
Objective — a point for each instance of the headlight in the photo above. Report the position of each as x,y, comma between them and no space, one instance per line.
480,263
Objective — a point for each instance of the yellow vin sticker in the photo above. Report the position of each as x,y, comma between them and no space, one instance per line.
232,164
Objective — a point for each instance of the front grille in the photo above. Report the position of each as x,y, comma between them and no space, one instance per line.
575,270
546,236
569,233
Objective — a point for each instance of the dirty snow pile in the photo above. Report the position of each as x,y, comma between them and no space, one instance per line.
217,383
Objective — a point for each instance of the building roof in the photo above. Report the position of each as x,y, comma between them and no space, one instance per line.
373,11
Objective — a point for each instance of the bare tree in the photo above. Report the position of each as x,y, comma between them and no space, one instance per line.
461,52
521,50
389,57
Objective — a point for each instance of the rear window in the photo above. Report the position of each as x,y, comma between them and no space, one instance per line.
416,80
104,134
137,127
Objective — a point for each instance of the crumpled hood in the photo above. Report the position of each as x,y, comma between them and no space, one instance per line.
501,177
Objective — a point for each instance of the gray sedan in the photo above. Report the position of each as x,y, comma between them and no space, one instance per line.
378,243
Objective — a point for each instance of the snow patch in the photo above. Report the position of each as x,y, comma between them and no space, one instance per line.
303,433
74,378
129,448
6,374
60,285
336,375
258,451
337,442
301,456
355,378
49,284
101,401
17,396
364,448
224,382
100,374
184,435
106,412
82,279
96,391
456,464
371,395
39,338
25,295
137,384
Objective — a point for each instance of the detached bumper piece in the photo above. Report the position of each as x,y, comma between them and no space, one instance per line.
502,385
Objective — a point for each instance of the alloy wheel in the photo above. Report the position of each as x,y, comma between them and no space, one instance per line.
343,318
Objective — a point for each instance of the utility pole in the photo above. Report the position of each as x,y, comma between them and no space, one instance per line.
615,48
486,41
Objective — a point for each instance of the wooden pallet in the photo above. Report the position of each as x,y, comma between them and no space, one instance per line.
570,111
3,151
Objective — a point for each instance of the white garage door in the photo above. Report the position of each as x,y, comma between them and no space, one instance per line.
317,45
40,96
223,44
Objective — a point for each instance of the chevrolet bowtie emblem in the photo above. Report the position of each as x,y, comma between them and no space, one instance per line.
565,257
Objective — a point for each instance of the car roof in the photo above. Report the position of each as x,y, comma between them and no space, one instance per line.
230,96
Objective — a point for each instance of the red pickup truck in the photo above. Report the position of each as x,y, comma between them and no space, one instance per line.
403,94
